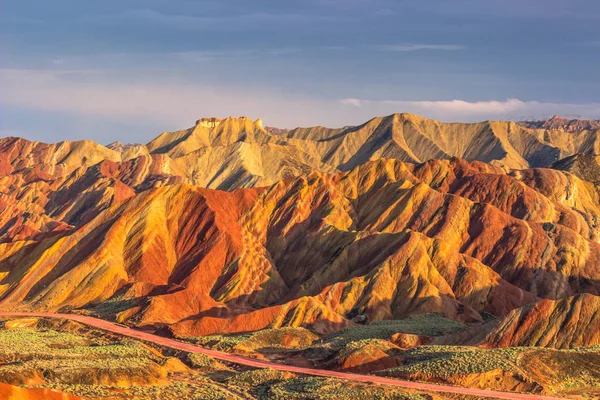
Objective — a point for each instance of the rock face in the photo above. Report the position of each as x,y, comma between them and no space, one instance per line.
565,323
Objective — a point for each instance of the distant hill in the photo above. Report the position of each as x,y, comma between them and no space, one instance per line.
563,124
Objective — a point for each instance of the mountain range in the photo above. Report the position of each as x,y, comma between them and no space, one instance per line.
563,124
230,227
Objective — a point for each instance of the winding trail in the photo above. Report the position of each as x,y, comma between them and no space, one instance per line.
233,358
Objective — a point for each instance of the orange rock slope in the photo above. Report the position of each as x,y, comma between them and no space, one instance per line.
9,392
564,323
386,239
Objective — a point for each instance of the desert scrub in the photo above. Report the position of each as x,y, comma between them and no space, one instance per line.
33,340
127,349
63,357
446,361
426,324
115,306
86,391
380,344
198,360
219,342
325,388
278,338
178,391
587,349
175,391
256,377
26,343
283,338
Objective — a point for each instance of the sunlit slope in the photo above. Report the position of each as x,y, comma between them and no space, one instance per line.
385,240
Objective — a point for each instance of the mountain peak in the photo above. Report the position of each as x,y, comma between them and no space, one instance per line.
213,122
557,118
208,122
115,145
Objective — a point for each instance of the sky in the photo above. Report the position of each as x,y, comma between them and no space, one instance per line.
130,69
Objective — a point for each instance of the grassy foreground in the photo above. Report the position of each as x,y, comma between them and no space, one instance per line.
71,358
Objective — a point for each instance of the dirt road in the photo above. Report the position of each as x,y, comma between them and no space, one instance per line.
233,358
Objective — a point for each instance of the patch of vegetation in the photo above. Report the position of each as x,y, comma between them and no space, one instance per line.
24,343
256,377
219,342
426,324
27,355
446,361
99,367
174,391
325,388
198,360
380,344
283,338
280,338
301,338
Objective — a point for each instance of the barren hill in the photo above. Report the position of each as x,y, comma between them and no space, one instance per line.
563,124
239,152
386,239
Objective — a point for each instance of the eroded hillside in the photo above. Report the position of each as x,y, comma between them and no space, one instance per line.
385,240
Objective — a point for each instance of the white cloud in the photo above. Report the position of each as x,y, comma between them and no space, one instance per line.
419,46
460,110
354,102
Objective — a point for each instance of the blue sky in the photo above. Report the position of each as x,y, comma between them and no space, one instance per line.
130,69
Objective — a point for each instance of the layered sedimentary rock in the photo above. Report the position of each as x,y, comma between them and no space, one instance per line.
318,225
47,189
563,124
565,323
384,240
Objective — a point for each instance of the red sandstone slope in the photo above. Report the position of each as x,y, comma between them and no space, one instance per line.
565,323
387,239
568,322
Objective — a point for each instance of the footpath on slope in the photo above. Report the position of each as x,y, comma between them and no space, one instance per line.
236,359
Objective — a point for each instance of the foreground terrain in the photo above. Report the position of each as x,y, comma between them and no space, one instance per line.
132,370
49,355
